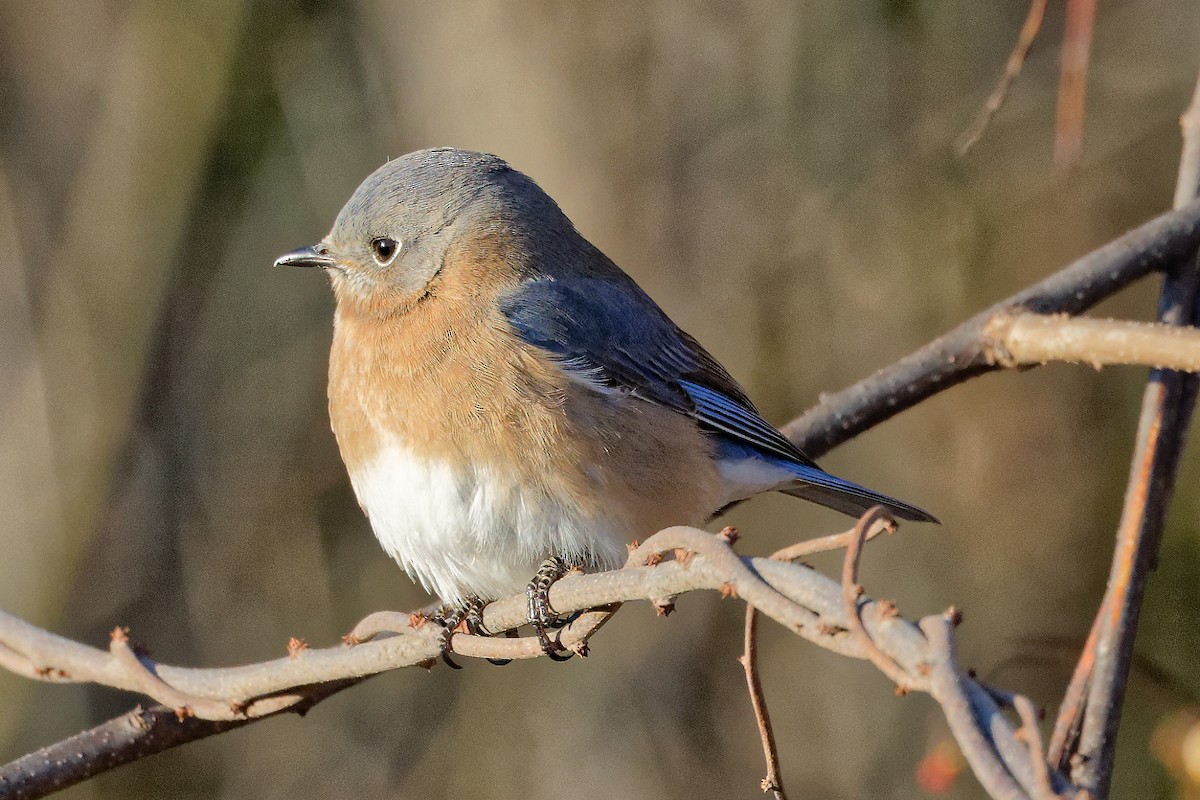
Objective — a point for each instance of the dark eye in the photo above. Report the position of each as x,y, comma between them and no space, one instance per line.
384,250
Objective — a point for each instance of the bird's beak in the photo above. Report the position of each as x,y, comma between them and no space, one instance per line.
305,257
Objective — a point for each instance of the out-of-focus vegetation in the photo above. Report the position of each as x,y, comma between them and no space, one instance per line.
779,175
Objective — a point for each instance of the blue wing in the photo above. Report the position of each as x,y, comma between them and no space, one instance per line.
613,336
606,332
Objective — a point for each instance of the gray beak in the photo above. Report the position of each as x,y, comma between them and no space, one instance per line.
305,257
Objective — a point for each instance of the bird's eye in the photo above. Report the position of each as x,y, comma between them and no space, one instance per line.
384,250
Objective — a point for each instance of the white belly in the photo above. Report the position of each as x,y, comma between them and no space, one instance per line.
473,530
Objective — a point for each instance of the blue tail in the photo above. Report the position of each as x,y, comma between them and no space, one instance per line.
818,486
747,471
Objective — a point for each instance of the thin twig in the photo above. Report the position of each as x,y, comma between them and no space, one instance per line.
834,541
1065,738
1072,85
1042,789
773,782
1016,60
1187,183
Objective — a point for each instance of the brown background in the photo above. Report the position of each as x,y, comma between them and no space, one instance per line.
779,175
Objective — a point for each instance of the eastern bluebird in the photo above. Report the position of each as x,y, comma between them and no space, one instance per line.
502,393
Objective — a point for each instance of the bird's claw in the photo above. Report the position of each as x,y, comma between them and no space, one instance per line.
452,618
541,615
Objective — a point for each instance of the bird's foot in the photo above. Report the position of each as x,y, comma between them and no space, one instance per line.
541,615
466,618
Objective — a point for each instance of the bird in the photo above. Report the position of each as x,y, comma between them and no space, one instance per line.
509,403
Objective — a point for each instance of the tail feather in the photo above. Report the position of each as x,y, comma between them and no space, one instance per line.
817,486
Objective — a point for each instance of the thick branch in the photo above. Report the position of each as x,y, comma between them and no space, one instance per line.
141,732
137,734
964,353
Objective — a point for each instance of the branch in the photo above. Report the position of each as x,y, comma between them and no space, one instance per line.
852,590
137,734
1026,339
1016,60
800,599
1072,85
967,351
949,690
868,528
1187,183
1092,713
773,782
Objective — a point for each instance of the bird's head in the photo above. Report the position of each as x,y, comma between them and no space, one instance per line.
392,240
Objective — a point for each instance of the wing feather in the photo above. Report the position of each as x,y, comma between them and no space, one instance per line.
610,335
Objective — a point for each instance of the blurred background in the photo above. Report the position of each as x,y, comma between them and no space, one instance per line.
780,176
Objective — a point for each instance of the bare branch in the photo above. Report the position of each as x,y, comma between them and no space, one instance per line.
799,598
963,353
835,541
773,782
948,686
1032,734
1072,85
749,658
852,591
1187,184
1162,429
1027,338
138,734
1065,738
149,684
1016,60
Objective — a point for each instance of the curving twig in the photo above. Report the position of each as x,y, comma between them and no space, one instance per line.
852,590
773,782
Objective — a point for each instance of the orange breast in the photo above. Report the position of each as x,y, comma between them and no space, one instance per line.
451,381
